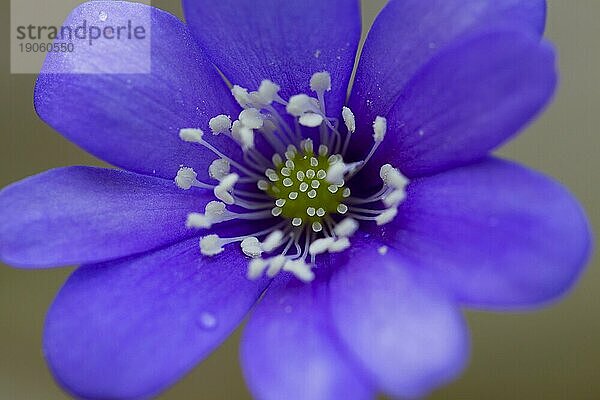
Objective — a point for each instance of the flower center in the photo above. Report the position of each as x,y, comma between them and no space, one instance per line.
301,191
300,187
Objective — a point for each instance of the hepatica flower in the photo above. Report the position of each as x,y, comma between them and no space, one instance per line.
359,227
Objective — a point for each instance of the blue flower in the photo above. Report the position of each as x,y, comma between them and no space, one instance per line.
366,223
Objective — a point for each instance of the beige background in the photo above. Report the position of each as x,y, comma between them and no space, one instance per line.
550,354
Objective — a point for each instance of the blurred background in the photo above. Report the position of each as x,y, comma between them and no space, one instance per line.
549,354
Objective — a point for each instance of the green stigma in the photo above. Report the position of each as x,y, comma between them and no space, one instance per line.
300,188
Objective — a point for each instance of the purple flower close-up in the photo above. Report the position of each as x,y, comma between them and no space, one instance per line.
352,221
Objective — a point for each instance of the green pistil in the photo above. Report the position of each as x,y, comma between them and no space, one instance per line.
301,190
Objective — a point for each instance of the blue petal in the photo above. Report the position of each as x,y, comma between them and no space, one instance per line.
282,40
496,234
468,100
406,333
81,214
130,328
288,350
133,120
408,33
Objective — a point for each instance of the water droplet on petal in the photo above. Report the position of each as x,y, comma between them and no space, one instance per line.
103,16
208,320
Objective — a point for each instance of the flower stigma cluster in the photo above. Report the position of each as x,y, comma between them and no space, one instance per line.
303,191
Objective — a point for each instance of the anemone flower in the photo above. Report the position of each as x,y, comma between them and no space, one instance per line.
362,224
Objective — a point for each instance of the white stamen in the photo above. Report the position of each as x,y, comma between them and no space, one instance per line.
246,138
219,169
272,241
268,91
300,104
310,120
191,135
394,198
256,268
197,220
349,119
211,245
339,245
215,210
251,118
186,177
336,173
346,228
241,95
251,247
387,216
379,128
320,246
320,82
276,264
220,124
300,269
392,177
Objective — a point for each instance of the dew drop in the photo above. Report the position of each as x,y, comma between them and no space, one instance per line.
103,16
207,320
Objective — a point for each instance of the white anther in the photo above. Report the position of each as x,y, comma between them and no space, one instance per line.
223,195
199,221
310,173
320,212
379,128
251,118
321,174
382,250
293,195
241,95
219,169
287,182
346,193
323,150
280,202
191,135
311,212
276,211
290,164
215,210
349,119
312,194
285,171
346,228
310,120
268,91
300,104
236,127
220,124
339,245
262,185
394,198
336,173
307,145
303,187
211,245
246,138
272,175
300,269
392,177
317,227
320,82
315,184
297,221
221,191
314,162
276,264
186,178
387,216
342,208
300,175
251,247
333,188
272,241
256,268
320,246
277,160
